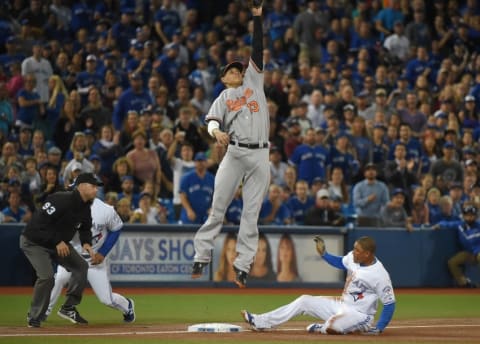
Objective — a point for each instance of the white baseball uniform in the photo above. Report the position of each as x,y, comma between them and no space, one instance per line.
104,220
353,311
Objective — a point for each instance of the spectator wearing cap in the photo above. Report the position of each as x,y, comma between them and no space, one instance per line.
363,37
79,164
145,162
320,214
167,21
299,203
468,231
448,167
134,98
363,104
379,105
200,100
123,31
139,63
167,66
147,211
202,75
88,77
398,44
196,192
393,213
469,113
41,69
309,159
341,156
94,114
369,196
11,54
54,157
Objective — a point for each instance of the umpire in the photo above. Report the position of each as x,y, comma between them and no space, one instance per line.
46,240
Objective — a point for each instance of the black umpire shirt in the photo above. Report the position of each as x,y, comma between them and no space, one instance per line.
61,215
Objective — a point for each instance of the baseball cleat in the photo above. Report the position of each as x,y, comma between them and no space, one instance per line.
33,323
197,269
315,327
240,278
129,316
71,313
248,318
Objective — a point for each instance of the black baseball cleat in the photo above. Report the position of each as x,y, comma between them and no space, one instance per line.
197,269
71,313
33,323
240,278
129,316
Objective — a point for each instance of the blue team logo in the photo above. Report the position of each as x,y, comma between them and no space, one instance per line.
357,296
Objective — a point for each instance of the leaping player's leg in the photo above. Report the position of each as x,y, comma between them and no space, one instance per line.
61,279
227,180
255,188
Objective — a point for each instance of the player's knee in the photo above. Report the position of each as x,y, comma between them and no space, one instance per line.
107,301
46,281
305,299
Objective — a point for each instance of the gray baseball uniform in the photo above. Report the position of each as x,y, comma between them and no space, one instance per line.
243,114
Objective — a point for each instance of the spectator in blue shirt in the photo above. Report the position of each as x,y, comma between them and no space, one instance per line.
311,160
123,31
167,21
134,98
386,18
418,66
89,77
167,66
300,202
274,211
14,212
139,63
30,105
277,21
234,210
196,191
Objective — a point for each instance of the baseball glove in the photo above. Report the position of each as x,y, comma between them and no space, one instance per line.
320,245
255,3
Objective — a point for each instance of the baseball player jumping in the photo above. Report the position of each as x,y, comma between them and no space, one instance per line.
367,282
239,118
106,226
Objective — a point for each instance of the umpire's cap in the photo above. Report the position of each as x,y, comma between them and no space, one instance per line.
236,64
89,178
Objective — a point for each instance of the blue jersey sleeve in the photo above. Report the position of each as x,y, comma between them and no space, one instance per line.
386,316
110,241
335,261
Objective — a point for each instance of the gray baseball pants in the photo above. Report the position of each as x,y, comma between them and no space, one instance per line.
42,260
239,164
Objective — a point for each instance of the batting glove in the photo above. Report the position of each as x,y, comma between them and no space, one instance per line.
372,331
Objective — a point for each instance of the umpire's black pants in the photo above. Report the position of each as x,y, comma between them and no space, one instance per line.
42,259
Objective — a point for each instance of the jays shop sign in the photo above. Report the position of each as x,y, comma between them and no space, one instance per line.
164,256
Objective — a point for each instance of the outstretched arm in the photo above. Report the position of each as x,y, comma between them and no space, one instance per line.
335,261
257,41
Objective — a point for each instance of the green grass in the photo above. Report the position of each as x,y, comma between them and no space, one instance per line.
190,309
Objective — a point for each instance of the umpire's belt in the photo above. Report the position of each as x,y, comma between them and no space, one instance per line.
250,145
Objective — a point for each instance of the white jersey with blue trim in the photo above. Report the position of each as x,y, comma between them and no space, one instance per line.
104,219
365,285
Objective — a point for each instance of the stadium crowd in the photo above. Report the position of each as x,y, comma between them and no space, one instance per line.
374,106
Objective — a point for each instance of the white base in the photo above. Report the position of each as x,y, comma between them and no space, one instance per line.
214,328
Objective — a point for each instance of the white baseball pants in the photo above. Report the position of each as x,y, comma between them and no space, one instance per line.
337,315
